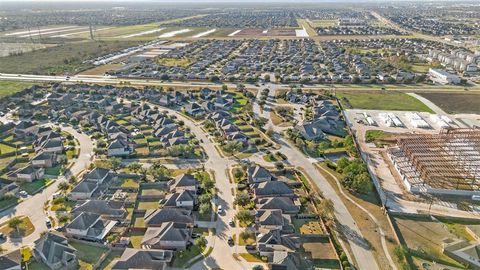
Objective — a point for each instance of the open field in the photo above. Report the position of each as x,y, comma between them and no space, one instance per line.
11,87
66,58
100,70
455,103
387,100
424,237
7,49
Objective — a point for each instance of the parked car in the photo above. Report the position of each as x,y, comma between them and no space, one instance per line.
231,222
230,241
48,222
219,210
250,247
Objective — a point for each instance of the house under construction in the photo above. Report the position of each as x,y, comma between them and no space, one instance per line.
446,163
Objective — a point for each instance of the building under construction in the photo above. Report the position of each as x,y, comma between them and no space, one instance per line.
446,163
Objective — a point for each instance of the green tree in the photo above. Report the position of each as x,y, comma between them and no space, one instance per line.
63,186
201,242
242,199
245,217
204,208
326,208
15,223
115,163
134,167
362,183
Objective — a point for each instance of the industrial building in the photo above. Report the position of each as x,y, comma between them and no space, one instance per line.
447,163
443,77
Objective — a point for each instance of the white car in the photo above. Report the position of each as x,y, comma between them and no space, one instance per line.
219,209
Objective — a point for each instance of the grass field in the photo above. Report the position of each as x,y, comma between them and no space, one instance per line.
12,87
394,101
174,62
65,58
455,102
87,254
33,187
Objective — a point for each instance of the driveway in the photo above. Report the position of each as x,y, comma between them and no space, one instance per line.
33,206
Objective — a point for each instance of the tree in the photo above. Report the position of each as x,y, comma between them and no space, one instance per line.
200,242
224,87
362,183
115,163
15,223
207,184
232,147
245,235
279,166
242,199
72,179
63,186
266,77
134,167
326,208
204,208
245,217
205,198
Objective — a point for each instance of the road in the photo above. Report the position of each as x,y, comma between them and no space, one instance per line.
33,206
195,84
222,254
361,250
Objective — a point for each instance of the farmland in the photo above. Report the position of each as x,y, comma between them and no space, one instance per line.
455,103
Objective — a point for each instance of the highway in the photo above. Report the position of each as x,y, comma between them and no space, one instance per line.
196,84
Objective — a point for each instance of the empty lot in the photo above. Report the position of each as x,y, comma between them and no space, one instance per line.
454,103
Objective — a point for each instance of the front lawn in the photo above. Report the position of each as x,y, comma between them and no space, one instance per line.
25,228
184,256
35,186
5,149
8,202
53,170
251,257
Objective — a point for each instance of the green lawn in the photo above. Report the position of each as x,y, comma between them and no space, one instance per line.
53,170
38,266
148,205
5,149
129,183
105,265
33,187
11,87
388,100
5,203
184,256
88,253
135,238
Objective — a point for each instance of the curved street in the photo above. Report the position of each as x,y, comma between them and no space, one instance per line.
33,205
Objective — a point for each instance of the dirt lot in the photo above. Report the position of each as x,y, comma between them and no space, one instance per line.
455,102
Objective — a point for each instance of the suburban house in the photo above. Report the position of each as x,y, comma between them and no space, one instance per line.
89,226
272,189
119,148
90,183
143,259
112,210
44,160
268,220
183,182
258,174
184,199
29,173
53,249
286,204
11,261
170,235
272,241
155,218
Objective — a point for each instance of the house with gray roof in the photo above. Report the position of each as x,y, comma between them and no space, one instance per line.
113,210
183,182
29,173
53,249
89,226
183,199
288,205
11,261
44,160
258,174
155,218
268,220
272,189
170,235
147,259
119,148
272,241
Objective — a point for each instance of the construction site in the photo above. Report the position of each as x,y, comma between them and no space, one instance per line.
446,163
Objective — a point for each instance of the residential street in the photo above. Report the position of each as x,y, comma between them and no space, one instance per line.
219,258
33,206
361,251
